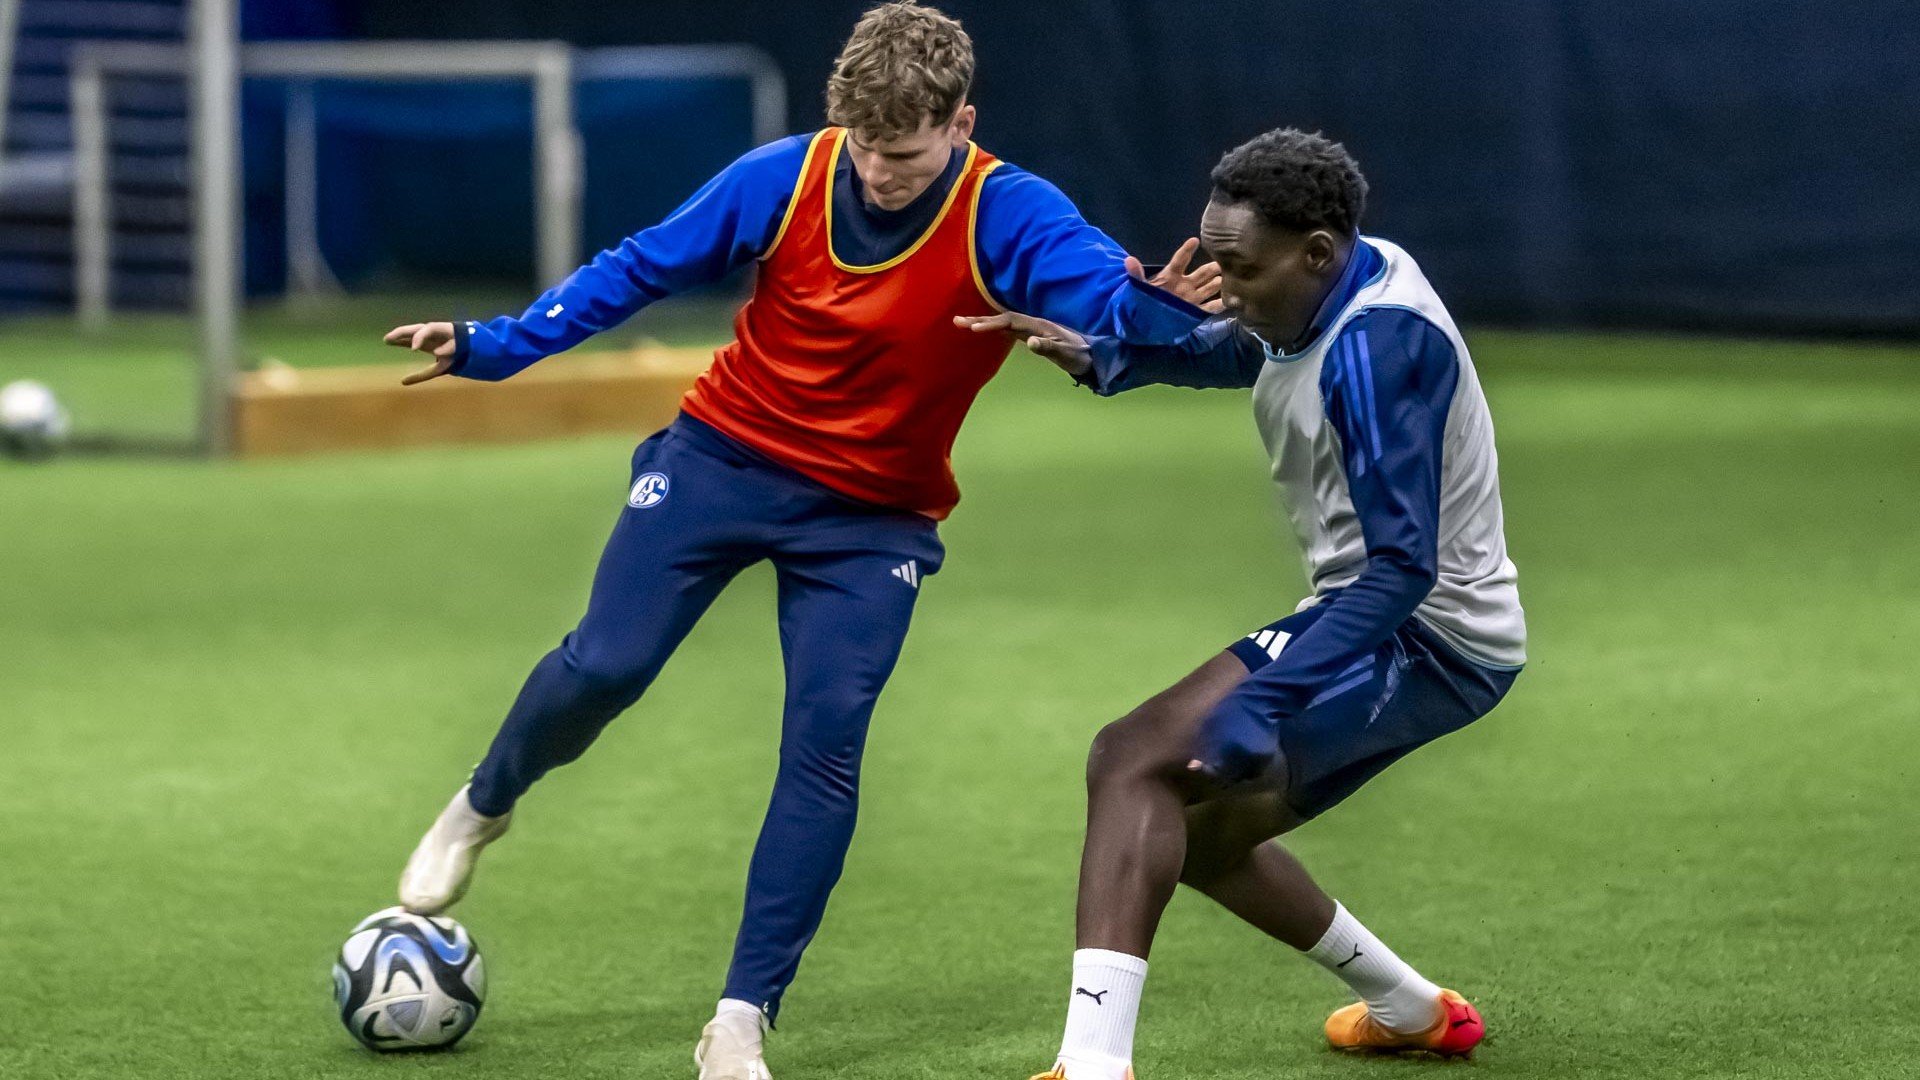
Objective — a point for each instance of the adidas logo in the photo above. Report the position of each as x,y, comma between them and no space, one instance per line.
908,572
1271,640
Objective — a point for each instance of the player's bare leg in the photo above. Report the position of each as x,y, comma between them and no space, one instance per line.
1152,824
1230,860
1138,790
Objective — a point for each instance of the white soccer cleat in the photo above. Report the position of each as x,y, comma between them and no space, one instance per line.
730,1048
437,875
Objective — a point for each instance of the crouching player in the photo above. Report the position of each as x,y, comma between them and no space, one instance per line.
1383,452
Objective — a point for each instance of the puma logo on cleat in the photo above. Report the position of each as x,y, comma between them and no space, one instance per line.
1077,991
1463,1021
1350,959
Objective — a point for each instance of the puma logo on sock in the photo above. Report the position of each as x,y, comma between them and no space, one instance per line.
1077,991
1350,959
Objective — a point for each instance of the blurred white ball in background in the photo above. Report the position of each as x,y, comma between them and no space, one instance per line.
32,423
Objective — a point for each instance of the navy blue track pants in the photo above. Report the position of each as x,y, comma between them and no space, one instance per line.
703,507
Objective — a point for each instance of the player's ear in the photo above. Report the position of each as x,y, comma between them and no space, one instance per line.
962,126
1321,251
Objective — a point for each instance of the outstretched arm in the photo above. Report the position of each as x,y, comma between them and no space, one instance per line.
1219,354
1038,255
725,225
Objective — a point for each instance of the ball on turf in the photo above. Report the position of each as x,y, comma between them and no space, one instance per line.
408,982
32,423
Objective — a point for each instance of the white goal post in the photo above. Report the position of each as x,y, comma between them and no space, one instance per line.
9,30
215,61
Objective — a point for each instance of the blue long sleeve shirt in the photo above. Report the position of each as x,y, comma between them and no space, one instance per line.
1035,250
1386,384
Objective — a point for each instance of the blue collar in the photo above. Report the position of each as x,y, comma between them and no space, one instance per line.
1363,267
923,204
865,235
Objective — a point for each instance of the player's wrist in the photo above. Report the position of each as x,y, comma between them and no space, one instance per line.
462,345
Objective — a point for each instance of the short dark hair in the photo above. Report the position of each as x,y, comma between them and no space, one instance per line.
1298,180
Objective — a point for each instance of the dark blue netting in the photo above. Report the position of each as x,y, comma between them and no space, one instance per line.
1726,164
434,181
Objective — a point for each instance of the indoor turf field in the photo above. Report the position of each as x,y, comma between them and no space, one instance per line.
231,696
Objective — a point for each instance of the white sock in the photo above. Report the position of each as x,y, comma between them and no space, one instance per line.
1101,1011
1397,997
744,1016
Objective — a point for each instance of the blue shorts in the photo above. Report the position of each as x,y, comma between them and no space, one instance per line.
1417,689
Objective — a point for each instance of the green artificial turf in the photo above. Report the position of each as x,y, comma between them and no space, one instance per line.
231,696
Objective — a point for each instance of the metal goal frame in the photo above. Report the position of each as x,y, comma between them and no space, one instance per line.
214,61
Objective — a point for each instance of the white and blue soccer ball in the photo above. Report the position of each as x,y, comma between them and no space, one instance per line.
409,982
32,422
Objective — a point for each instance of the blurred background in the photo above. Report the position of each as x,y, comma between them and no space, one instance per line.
1713,166
259,610
1719,164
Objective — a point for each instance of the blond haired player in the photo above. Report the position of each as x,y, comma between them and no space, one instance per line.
818,441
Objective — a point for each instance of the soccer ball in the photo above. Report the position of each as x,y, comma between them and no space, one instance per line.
408,982
32,423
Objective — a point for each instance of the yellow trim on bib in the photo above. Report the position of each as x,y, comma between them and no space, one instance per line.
973,245
793,200
833,169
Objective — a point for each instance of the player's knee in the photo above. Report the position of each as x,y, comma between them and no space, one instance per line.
1125,750
1105,755
833,716
602,675
822,774
825,731
829,754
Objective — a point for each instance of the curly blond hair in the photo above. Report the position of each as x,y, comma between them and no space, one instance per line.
904,65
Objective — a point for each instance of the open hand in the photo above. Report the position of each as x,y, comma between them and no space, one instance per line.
1199,287
1068,350
434,338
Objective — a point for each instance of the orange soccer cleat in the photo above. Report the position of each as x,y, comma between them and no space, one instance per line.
1454,1034
1059,1072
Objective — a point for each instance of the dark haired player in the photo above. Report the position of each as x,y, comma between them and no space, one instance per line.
1383,452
